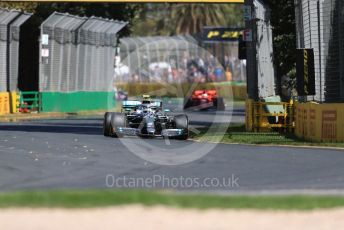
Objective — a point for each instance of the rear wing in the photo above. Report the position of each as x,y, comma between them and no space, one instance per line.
129,105
156,103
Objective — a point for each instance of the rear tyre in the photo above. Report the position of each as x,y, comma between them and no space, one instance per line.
107,130
219,104
182,122
117,120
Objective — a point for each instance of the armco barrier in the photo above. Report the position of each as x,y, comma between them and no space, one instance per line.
320,122
4,103
226,89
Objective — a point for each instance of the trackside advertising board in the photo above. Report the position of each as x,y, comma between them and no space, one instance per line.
305,75
220,34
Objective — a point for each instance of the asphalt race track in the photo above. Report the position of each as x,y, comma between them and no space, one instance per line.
73,153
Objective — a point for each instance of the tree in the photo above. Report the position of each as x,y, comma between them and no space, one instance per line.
284,37
29,7
171,18
191,18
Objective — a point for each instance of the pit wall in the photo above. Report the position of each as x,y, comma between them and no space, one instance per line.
76,101
320,122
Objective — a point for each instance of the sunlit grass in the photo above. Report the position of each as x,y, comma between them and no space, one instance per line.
102,198
237,134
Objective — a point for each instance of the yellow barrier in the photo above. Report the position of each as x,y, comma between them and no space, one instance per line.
4,103
9,102
249,115
310,121
15,101
320,122
258,119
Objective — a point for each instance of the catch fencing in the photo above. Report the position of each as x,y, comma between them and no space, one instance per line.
10,22
77,53
320,26
171,59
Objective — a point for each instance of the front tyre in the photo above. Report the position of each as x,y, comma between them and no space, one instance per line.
107,130
182,122
219,104
118,120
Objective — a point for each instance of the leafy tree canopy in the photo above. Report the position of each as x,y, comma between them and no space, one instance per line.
176,18
284,31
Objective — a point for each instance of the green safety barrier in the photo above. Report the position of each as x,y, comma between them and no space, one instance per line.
77,101
66,101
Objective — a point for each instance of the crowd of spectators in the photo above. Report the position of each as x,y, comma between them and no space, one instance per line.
190,69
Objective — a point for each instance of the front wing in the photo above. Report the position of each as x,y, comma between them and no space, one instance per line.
137,132
200,104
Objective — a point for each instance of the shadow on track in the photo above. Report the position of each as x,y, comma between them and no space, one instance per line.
93,125
76,128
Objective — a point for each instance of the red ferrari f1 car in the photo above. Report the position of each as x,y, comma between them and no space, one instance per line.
204,100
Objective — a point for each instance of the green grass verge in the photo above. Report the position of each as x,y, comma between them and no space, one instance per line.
237,134
102,198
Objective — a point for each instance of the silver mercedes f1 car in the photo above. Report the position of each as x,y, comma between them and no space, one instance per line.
145,118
